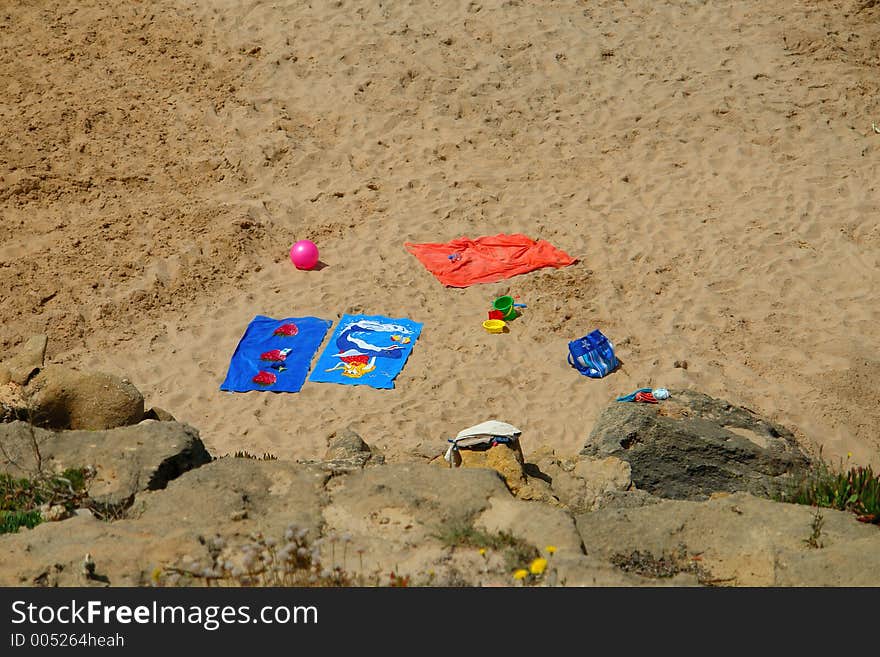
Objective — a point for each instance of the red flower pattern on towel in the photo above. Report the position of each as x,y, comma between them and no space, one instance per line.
287,330
275,355
265,378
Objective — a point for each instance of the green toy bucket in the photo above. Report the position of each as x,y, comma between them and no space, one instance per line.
505,305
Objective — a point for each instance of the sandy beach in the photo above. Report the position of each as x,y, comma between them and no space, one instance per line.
713,167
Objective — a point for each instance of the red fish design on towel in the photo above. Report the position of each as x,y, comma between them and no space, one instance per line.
286,330
275,355
265,378
645,397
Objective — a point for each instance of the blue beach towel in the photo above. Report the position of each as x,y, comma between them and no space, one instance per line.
366,350
275,354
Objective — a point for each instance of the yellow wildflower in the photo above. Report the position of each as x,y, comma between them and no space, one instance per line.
849,455
551,549
538,566
522,573
482,552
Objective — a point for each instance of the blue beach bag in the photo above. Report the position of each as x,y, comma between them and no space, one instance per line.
592,355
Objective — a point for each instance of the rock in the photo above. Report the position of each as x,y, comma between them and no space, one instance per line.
345,444
12,403
505,460
346,452
28,360
606,474
624,499
428,494
578,483
395,516
63,398
508,461
158,414
5,375
741,540
127,459
532,522
693,445
588,571
166,525
264,496
415,520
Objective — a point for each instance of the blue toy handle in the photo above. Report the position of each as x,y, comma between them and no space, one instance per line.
519,305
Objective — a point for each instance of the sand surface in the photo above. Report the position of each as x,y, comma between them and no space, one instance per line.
712,165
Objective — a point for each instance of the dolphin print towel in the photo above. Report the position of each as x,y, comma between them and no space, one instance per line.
275,354
366,350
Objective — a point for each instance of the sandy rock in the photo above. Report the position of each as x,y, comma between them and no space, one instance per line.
505,460
590,480
159,414
398,518
273,494
587,570
164,526
127,459
579,483
26,362
741,540
508,461
693,445
609,473
624,499
63,398
347,452
344,444
533,522
394,515
12,402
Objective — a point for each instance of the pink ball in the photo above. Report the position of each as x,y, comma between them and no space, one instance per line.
304,254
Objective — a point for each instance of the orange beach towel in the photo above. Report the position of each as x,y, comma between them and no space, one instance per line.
464,261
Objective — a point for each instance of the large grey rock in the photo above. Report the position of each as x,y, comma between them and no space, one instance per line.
127,460
742,540
63,398
692,445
